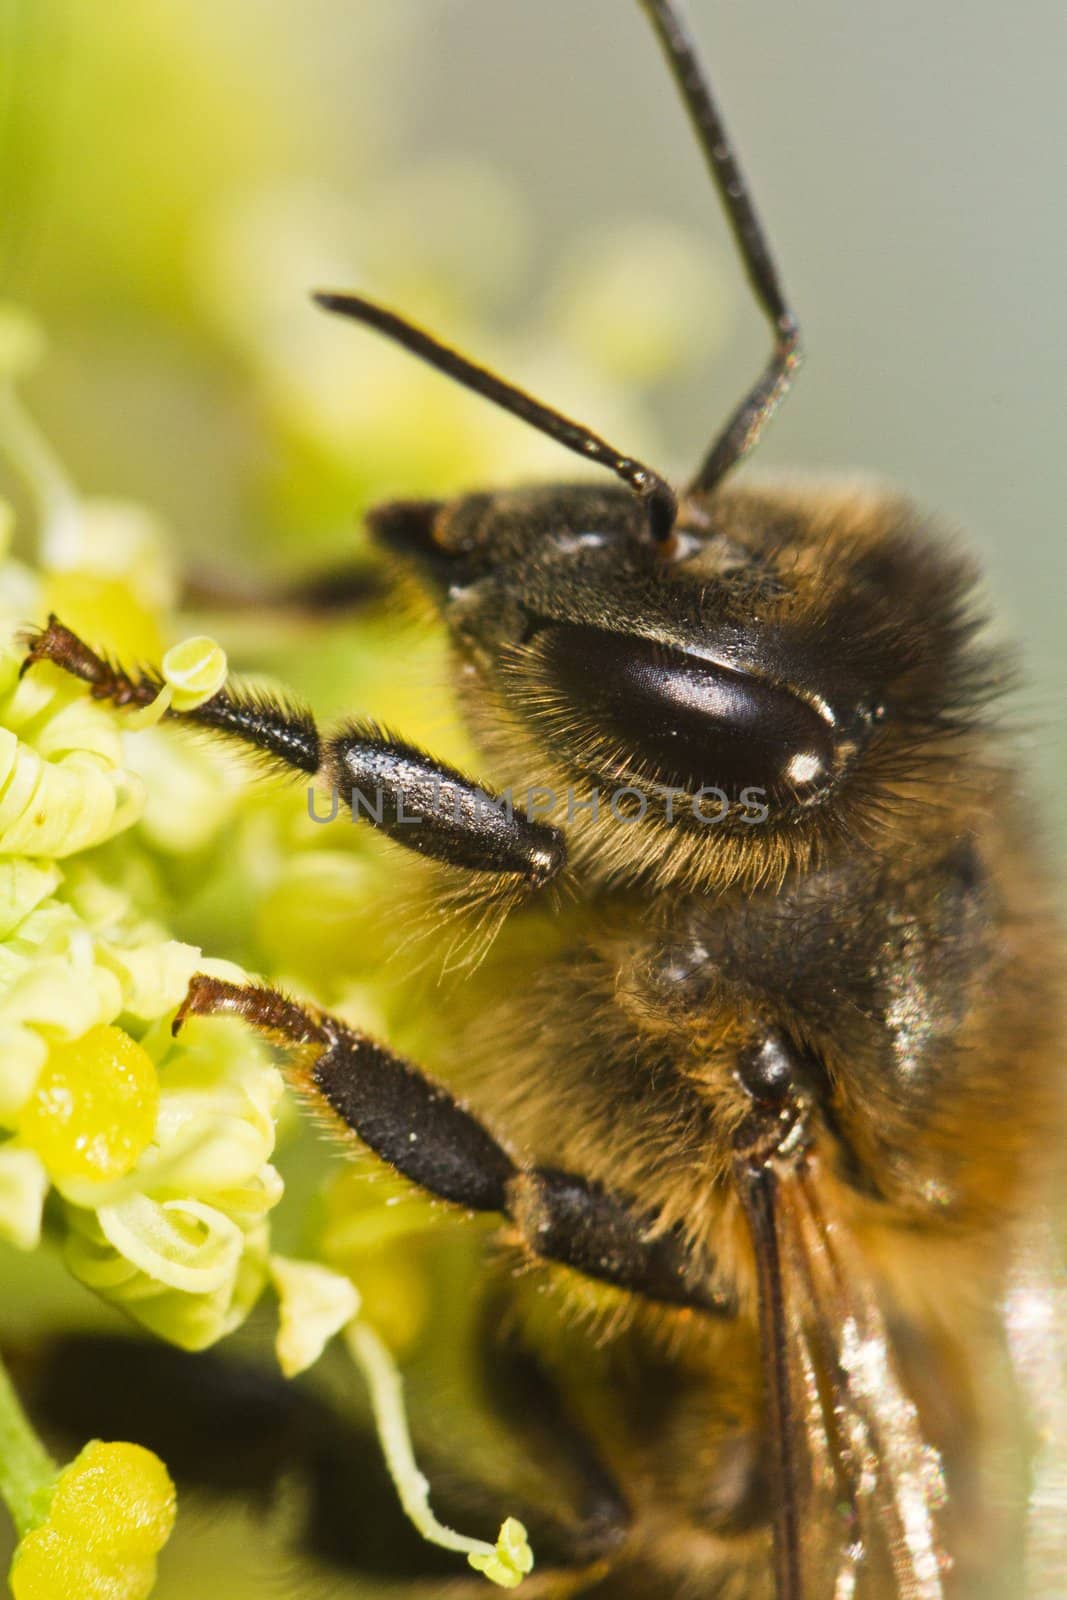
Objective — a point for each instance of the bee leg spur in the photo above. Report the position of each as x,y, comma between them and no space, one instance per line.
427,1136
406,794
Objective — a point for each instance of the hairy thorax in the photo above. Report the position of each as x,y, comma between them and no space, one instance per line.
911,1000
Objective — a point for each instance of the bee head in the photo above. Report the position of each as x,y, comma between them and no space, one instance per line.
799,665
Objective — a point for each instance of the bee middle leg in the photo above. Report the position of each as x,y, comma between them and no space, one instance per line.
424,1133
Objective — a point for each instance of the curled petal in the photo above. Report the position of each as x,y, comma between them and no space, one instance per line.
23,1186
195,670
191,1318
65,997
315,1303
182,1244
52,713
58,808
23,886
22,1055
154,976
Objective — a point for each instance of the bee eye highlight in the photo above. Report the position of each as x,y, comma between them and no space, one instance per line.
698,723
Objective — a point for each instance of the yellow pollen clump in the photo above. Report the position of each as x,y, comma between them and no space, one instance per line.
94,1109
112,1512
121,1492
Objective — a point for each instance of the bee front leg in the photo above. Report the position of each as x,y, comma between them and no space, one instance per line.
424,1133
418,801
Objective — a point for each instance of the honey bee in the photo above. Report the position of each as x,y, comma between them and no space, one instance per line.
763,1073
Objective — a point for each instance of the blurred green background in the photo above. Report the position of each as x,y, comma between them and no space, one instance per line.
175,176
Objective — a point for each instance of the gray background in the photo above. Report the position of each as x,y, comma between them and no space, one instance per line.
910,159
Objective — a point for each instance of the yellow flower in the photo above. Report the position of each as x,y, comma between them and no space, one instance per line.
93,1111
510,1561
160,1149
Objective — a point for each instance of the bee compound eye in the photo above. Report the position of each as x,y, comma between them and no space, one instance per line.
696,721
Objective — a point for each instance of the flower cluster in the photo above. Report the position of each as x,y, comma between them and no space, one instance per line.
158,1150
145,1158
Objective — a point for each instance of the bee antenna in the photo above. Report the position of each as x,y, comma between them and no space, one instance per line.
749,418
656,492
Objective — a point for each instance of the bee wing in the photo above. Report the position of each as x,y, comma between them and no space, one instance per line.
1035,1320
874,1483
